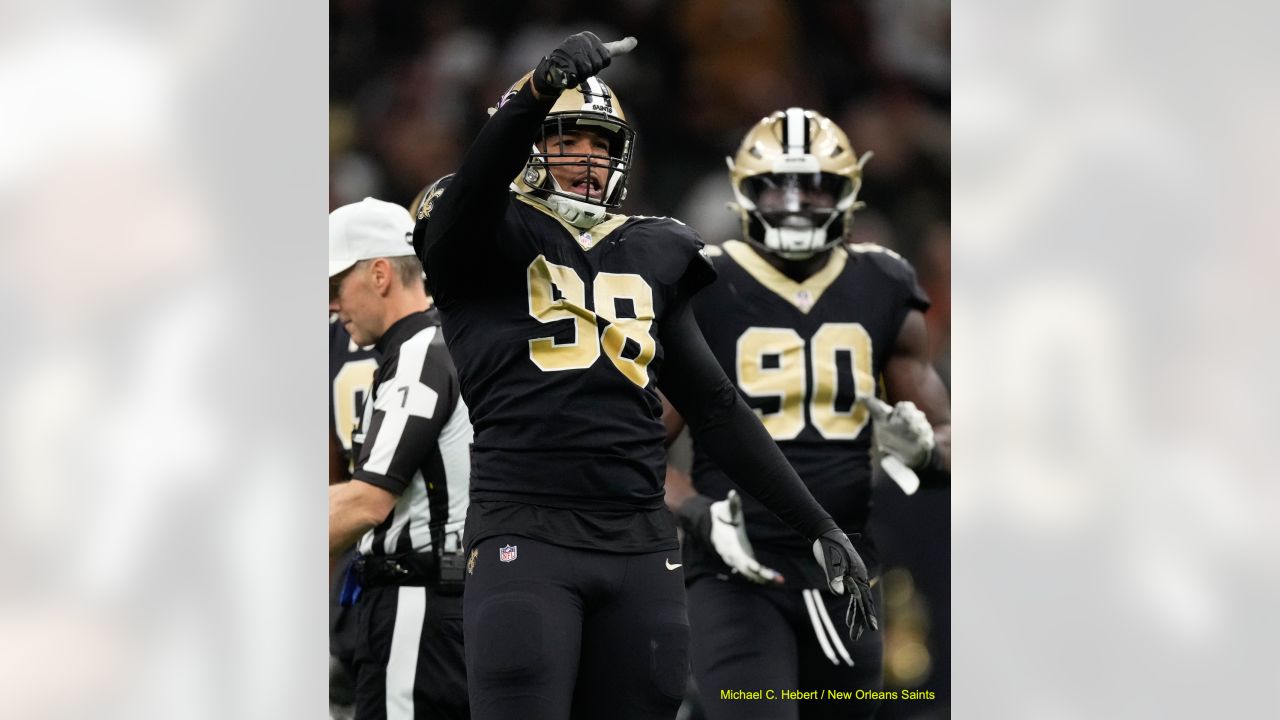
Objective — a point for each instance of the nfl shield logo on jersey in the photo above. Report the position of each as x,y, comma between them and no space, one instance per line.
507,554
804,300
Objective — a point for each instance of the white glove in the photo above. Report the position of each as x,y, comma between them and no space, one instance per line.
902,431
729,538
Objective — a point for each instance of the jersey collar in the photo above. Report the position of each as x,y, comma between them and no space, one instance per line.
803,295
404,328
589,239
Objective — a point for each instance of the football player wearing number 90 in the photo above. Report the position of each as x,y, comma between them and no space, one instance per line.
806,324
564,319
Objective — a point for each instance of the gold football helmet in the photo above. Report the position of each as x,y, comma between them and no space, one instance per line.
796,179
590,105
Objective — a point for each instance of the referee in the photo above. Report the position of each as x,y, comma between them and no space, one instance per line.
407,499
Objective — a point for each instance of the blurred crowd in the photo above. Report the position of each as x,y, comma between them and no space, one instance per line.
410,83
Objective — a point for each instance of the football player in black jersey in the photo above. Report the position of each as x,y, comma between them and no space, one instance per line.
805,324
564,319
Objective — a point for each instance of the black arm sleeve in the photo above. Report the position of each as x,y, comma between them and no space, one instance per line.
729,431
467,215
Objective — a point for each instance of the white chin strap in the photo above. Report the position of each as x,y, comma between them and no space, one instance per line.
578,213
798,243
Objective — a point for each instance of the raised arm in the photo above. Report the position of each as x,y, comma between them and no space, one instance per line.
468,213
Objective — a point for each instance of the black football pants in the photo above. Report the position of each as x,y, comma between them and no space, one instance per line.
408,659
750,638
556,633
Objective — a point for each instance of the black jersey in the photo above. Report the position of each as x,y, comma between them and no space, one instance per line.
800,353
351,370
555,332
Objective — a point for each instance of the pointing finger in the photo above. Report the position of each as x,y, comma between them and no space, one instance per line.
880,409
621,47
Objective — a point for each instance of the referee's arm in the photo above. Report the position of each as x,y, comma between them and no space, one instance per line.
355,507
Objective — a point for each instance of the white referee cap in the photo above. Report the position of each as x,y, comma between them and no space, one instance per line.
366,230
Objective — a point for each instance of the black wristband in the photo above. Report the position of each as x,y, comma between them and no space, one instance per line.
541,81
932,473
695,517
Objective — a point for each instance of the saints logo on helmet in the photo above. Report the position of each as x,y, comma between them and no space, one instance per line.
425,201
422,206
796,179
592,109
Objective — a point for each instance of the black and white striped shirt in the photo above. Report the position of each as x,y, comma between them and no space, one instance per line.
414,440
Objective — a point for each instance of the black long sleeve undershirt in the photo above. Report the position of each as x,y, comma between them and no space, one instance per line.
466,218
729,430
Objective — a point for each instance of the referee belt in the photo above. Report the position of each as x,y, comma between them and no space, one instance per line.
405,569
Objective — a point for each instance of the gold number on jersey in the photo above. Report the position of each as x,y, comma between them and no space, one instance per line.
831,339
544,278
786,379
351,380
608,289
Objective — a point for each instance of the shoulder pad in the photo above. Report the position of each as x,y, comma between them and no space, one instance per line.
657,217
873,248
893,266
664,228
883,258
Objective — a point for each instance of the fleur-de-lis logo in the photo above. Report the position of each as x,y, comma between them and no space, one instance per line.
429,203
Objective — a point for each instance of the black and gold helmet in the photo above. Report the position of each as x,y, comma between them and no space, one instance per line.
796,179
589,105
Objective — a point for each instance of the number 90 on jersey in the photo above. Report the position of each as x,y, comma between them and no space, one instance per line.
772,363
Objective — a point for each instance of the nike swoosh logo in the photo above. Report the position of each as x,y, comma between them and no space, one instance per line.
673,567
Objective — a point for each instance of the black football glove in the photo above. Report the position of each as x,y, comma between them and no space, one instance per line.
846,572
578,58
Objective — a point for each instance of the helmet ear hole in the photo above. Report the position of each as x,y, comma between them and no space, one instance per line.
534,174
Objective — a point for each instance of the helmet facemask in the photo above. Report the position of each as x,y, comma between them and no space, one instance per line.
595,175
795,215
795,179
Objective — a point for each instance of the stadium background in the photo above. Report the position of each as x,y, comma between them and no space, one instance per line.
410,82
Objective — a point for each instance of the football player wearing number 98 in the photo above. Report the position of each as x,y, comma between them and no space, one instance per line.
806,324
564,319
